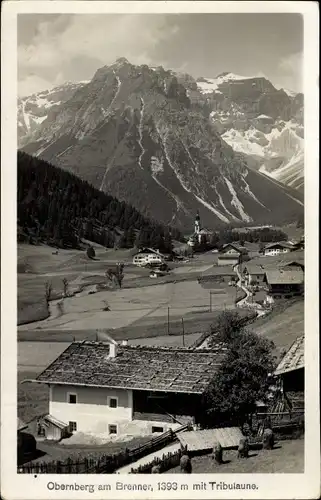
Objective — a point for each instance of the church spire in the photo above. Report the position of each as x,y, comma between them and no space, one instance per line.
197,223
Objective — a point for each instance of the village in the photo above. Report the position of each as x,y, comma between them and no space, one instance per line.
113,379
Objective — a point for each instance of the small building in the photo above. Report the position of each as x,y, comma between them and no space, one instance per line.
148,256
218,274
290,370
278,248
103,387
284,283
254,274
229,259
49,427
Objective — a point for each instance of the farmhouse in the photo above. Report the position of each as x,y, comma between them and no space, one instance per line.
285,283
148,256
103,387
254,274
278,248
231,248
232,254
290,371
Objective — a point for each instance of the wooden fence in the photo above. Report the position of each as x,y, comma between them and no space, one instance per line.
166,462
105,464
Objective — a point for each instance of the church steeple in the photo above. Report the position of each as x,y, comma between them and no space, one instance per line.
197,223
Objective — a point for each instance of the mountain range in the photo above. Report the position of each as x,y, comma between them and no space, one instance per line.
169,144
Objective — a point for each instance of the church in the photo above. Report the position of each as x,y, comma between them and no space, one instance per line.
200,235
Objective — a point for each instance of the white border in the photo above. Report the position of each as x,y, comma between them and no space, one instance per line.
287,486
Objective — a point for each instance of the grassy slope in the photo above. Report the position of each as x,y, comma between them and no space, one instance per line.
283,325
287,457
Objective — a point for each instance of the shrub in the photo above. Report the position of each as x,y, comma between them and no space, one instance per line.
185,464
243,449
268,439
217,454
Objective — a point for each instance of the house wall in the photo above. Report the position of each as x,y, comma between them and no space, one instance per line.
91,412
93,415
275,251
256,279
227,262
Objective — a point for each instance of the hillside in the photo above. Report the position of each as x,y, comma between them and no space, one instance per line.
56,207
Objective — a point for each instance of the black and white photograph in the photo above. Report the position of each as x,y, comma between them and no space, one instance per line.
161,269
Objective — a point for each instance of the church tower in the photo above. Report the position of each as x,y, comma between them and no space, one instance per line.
197,224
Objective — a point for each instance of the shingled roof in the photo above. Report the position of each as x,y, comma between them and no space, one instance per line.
254,269
185,370
294,358
284,277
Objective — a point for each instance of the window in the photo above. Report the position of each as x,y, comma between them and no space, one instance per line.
72,398
157,429
113,402
112,428
72,426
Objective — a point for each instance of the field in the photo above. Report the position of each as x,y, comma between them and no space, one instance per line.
140,298
287,457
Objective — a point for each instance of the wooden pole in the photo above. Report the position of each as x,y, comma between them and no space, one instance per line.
183,332
210,301
168,320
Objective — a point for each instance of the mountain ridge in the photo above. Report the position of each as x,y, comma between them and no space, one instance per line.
136,132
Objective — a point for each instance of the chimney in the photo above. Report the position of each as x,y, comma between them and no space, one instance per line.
113,350
124,342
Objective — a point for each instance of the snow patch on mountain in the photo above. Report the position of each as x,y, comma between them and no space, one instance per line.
209,85
156,165
140,132
212,209
236,202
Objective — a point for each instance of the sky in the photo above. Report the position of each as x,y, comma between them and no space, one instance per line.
55,48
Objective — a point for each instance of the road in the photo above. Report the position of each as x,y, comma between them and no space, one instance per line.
248,299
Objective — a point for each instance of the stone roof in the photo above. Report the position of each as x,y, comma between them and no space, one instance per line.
294,358
228,437
219,271
254,269
282,244
237,248
286,277
185,370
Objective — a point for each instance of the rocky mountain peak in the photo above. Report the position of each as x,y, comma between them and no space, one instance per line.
166,143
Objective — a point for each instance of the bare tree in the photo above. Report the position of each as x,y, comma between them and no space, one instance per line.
48,291
116,274
65,285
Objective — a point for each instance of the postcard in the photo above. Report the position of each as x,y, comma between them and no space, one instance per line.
160,250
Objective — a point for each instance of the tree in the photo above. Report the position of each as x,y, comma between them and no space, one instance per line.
116,274
241,380
48,290
226,326
91,252
65,285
